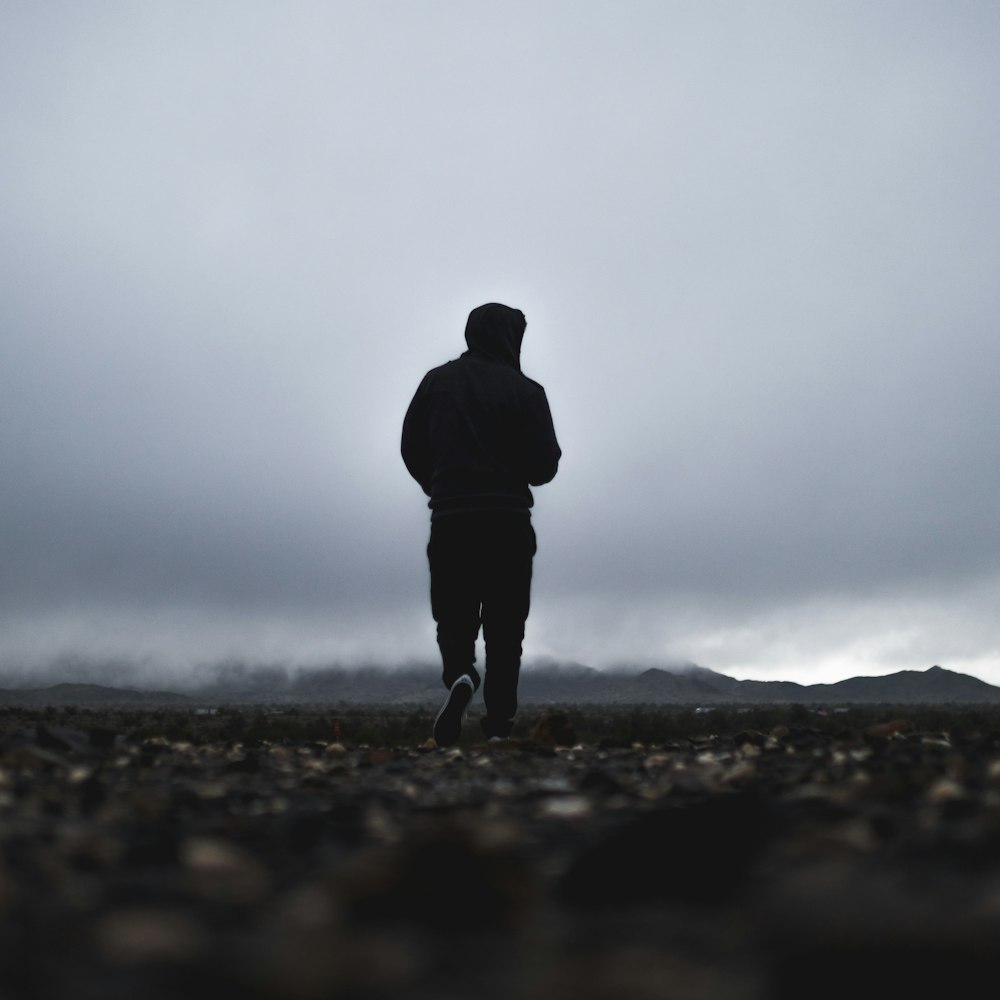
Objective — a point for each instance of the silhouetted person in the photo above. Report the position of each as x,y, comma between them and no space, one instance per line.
477,434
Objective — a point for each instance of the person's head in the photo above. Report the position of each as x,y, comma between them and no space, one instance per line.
496,330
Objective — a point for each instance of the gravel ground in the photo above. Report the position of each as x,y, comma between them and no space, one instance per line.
780,863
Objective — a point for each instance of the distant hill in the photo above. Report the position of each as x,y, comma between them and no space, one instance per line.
89,694
547,683
701,686
935,685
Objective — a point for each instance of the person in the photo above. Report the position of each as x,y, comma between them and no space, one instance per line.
477,434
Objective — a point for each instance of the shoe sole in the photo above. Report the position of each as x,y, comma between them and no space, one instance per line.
448,724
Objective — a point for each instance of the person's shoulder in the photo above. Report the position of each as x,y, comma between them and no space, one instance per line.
441,370
532,385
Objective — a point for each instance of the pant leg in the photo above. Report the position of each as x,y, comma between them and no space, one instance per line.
455,596
506,602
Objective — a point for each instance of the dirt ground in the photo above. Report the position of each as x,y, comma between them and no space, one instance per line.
792,860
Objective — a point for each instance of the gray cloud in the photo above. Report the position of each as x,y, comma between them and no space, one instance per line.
756,248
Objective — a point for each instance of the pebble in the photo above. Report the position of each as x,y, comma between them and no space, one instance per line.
722,867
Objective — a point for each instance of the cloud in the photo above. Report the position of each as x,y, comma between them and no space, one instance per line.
757,254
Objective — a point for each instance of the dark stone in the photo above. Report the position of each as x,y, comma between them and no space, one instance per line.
611,743
699,853
553,729
93,794
250,764
599,781
444,880
932,970
102,739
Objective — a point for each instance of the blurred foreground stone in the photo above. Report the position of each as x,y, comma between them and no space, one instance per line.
780,863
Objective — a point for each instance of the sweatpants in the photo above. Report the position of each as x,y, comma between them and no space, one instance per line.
480,567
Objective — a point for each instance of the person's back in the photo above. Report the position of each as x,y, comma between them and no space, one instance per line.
478,431
477,434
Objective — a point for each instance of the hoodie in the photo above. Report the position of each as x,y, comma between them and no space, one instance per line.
479,432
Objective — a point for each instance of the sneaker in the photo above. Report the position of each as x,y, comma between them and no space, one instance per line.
448,724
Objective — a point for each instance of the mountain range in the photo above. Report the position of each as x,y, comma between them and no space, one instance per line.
545,683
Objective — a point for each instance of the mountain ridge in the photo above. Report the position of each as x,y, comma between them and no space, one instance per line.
546,683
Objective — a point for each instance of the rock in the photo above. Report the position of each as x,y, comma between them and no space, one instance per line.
442,878
701,852
222,869
147,935
155,864
553,729
893,727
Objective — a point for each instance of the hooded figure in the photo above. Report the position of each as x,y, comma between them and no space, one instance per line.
477,434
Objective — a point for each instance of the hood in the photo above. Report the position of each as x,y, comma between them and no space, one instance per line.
496,331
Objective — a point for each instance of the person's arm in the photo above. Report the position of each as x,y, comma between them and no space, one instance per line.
542,448
415,443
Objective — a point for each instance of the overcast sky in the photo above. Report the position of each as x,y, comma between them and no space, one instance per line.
757,243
